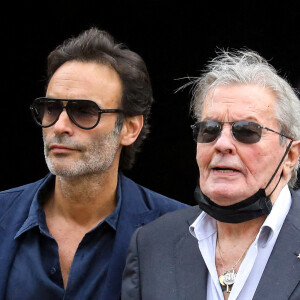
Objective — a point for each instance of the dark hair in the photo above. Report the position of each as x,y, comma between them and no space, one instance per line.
98,46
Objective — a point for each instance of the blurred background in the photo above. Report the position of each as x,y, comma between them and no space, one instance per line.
175,40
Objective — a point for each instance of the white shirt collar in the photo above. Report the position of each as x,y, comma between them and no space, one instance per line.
275,219
204,226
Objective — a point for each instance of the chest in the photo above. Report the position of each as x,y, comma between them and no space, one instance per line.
41,263
68,243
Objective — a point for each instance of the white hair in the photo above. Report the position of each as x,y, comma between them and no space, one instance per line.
248,67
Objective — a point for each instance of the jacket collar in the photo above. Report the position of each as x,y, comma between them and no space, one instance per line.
190,269
282,272
133,214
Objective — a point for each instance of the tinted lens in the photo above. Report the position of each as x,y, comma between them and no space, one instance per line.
46,113
207,131
246,132
83,113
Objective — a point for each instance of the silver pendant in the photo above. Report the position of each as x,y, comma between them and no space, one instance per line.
224,287
229,277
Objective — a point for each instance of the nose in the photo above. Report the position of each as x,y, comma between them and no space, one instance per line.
225,143
63,125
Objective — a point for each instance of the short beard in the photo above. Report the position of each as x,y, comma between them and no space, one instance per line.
98,159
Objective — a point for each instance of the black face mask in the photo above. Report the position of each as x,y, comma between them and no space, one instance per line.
250,208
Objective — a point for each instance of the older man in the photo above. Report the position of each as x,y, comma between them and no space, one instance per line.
66,236
244,242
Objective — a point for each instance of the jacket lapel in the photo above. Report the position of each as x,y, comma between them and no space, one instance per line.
133,214
191,271
282,272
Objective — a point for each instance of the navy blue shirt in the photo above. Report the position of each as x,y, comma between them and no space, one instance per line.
36,273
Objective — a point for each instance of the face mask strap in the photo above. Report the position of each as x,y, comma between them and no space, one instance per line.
285,153
253,207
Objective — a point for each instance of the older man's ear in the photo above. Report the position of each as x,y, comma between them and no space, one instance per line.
292,159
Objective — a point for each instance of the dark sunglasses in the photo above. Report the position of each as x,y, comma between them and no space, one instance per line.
85,114
242,131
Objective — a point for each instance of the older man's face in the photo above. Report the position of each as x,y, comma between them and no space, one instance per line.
231,171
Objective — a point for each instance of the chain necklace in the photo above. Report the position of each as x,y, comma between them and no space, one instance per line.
227,279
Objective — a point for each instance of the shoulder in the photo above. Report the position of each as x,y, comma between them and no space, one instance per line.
295,207
153,200
295,194
24,193
171,224
22,188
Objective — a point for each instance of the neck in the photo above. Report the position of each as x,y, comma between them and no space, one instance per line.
240,231
275,194
84,200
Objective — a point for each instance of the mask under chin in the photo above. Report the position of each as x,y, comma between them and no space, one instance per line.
250,208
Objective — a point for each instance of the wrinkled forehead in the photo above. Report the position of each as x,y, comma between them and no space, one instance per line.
240,102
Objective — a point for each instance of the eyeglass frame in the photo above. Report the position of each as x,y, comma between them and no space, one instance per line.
100,111
233,122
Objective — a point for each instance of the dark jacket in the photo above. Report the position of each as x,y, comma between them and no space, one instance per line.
169,265
139,206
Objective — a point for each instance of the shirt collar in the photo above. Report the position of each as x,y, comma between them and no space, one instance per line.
36,215
205,226
113,218
36,211
275,219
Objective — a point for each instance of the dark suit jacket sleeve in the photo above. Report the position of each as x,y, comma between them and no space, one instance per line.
131,275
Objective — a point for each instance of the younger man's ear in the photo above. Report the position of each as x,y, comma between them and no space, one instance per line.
131,129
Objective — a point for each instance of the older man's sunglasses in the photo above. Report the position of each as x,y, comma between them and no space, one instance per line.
243,131
85,114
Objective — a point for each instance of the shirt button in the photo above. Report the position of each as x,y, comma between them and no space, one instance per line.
53,270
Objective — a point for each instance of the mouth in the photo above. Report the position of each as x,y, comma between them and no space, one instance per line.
225,170
58,148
